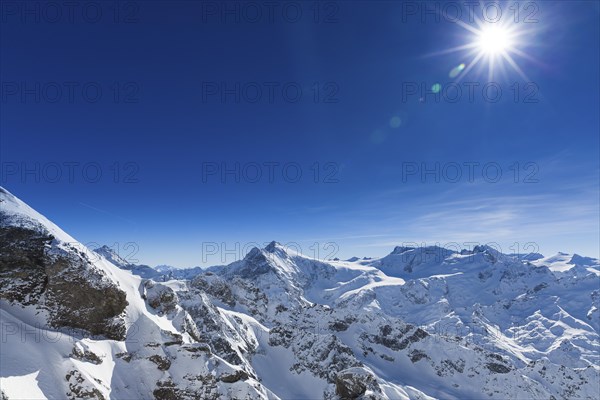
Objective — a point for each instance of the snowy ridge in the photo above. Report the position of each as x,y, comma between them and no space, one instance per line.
112,256
16,212
134,367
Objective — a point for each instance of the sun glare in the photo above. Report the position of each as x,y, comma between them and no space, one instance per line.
494,40
493,45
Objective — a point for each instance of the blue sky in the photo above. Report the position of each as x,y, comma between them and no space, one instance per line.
146,96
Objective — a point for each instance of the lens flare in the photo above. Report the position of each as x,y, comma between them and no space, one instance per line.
456,71
395,122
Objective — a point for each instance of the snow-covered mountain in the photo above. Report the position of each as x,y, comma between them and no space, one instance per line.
160,273
168,272
144,271
419,323
112,256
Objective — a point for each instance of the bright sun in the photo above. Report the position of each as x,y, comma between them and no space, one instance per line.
493,44
494,40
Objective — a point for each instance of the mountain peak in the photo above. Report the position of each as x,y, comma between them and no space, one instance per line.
422,250
482,248
271,247
253,253
112,256
585,261
401,249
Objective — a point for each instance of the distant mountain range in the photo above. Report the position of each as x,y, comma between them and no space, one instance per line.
159,273
419,323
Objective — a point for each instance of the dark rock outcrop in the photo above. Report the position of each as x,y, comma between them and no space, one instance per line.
61,280
354,382
161,362
234,377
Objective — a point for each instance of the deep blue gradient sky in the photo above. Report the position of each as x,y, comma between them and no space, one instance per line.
158,126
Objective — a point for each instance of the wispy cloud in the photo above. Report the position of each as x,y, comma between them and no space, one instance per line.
556,214
542,218
107,213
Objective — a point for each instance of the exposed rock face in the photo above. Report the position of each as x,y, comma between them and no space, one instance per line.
23,276
84,301
234,377
34,270
215,286
81,388
397,337
162,363
256,263
160,297
167,390
354,382
85,355
498,368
